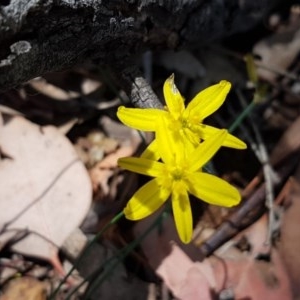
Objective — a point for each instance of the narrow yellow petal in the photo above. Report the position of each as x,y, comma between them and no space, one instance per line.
169,143
173,98
151,152
141,119
206,150
207,101
231,141
192,137
142,166
182,213
213,190
146,200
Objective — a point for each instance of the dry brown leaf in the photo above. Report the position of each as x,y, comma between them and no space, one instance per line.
257,235
52,91
242,276
25,288
277,52
234,272
9,111
128,140
44,188
156,245
186,279
65,128
103,170
290,235
289,143
252,279
249,277
89,86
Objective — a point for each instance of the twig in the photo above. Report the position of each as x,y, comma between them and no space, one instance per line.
269,174
135,85
251,209
255,204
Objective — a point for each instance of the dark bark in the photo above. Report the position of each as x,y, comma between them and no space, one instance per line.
40,36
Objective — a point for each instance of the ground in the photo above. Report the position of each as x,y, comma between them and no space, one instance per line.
62,189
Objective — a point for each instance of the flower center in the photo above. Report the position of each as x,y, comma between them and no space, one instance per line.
177,174
185,123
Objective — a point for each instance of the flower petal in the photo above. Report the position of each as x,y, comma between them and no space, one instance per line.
231,141
207,101
206,150
173,98
142,166
170,143
212,189
138,118
182,212
192,137
146,200
151,152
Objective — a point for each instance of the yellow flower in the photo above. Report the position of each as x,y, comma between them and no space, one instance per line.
178,174
185,123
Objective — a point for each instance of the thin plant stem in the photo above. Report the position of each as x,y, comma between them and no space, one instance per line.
128,249
242,116
97,236
109,265
260,150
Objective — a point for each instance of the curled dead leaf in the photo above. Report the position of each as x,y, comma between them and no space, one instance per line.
45,190
24,288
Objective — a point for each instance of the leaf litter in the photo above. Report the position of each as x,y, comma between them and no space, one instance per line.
43,185
58,191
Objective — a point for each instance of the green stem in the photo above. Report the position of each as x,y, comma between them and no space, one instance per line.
242,116
97,236
109,265
129,248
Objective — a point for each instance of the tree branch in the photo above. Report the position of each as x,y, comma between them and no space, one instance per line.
40,36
